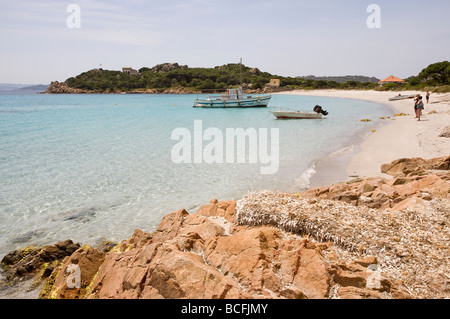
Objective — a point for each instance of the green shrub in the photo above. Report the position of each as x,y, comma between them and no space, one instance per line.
441,89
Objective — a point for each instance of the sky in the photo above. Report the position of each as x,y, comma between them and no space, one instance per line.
46,40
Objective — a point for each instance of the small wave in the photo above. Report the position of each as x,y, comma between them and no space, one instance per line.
19,111
304,181
342,151
10,111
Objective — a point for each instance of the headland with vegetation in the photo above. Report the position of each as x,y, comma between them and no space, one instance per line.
174,78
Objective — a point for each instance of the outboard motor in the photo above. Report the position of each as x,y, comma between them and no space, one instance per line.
319,109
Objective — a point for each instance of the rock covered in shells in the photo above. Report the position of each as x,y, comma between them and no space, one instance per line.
411,245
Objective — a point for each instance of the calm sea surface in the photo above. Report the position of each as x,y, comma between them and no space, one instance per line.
94,167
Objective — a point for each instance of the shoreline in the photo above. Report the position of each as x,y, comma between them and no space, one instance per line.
412,138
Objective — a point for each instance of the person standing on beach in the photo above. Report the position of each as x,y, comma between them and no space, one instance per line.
416,101
418,107
428,97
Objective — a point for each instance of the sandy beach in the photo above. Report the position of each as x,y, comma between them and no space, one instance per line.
400,137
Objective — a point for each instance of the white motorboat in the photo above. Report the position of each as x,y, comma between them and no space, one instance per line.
296,115
292,114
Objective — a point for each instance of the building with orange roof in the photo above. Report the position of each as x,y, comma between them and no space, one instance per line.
391,79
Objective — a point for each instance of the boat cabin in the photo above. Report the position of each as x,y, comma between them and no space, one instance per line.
233,94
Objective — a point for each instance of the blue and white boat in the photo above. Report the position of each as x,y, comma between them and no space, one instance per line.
233,98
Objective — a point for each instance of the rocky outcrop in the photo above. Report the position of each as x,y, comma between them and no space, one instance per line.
415,181
167,67
27,262
56,87
88,260
208,256
415,166
62,88
445,132
254,71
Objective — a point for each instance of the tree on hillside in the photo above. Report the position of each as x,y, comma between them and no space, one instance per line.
437,73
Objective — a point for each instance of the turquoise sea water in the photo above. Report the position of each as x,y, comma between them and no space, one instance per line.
93,167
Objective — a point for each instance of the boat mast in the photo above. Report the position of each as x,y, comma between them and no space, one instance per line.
240,78
240,73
